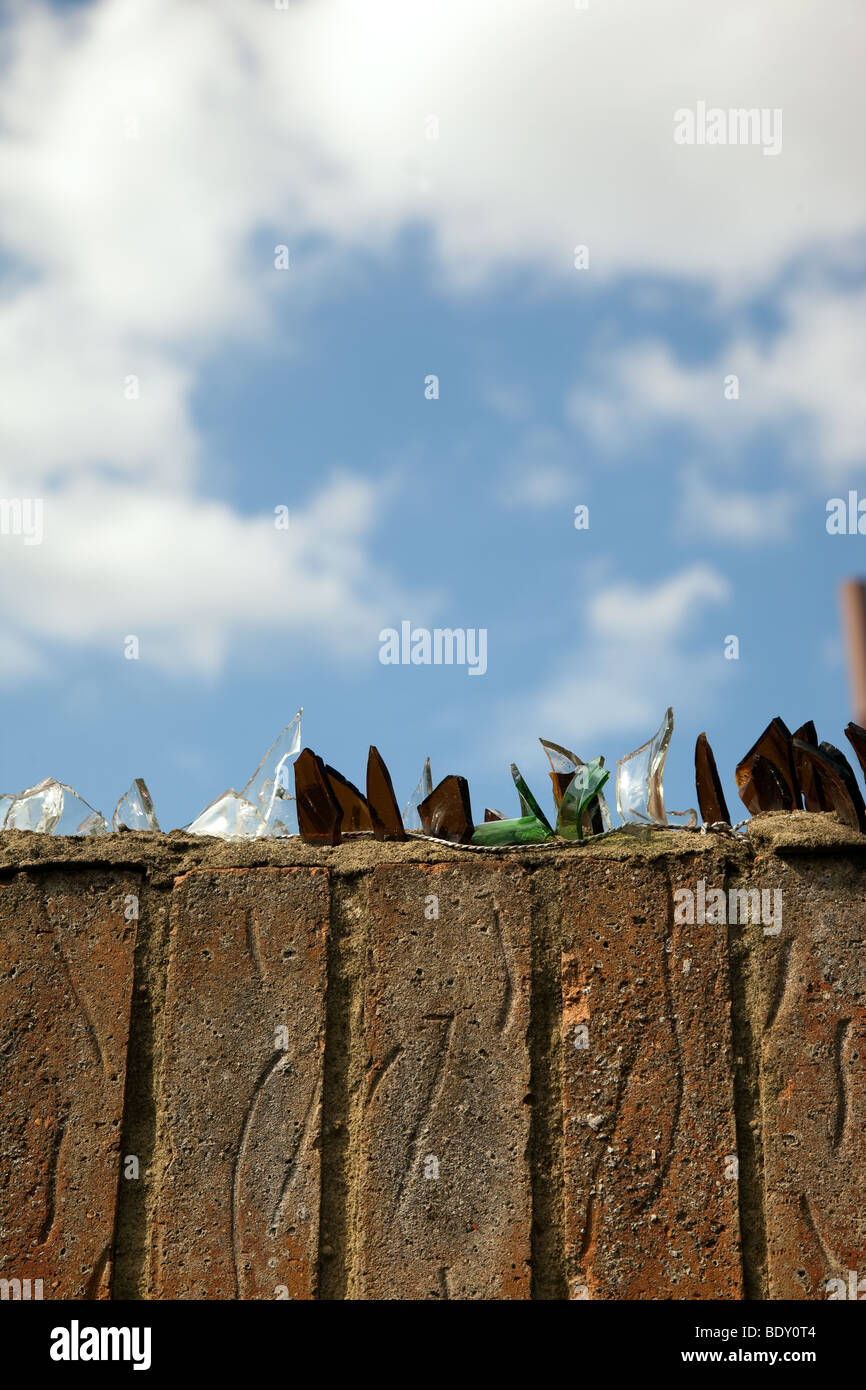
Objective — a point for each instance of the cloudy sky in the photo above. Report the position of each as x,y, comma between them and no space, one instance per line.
168,384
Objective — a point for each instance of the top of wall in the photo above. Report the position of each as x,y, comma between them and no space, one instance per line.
797,832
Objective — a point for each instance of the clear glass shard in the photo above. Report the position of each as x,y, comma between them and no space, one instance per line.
603,811
269,788
6,799
285,822
38,808
230,817
560,759
134,811
52,808
411,814
94,823
77,818
639,778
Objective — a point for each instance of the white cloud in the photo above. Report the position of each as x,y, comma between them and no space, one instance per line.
635,655
730,515
804,381
537,474
540,485
152,153
187,577
139,158
556,128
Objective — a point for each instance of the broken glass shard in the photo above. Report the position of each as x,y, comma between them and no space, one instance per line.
411,816
269,788
573,820
384,811
711,797
135,810
490,814
563,765
640,777
807,777
447,812
38,808
52,808
760,792
356,814
319,815
762,787
846,773
77,818
523,830
581,791
230,817
832,792
528,803
856,736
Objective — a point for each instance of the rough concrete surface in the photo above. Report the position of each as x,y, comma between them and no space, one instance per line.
649,1133
66,949
810,999
444,1201
237,1211
548,1086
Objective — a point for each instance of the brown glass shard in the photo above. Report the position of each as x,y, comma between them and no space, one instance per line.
356,813
711,798
832,790
856,736
817,796
807,776
490,814
319,813
846,772
447,811
763,790
385,815
561,782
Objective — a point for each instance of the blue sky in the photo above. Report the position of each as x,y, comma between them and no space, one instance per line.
153,163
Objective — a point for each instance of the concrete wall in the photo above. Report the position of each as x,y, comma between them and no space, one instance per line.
409,1071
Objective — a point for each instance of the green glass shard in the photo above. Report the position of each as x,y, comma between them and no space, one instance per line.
523,830
584,786
563,765
528,804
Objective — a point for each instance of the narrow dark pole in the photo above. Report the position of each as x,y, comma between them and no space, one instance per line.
853,596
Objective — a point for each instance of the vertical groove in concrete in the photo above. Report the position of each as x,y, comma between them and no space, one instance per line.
549,1279
136,1196
343,1079
745,1034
